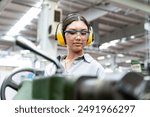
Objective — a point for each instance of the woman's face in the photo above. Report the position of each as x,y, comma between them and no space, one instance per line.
76,35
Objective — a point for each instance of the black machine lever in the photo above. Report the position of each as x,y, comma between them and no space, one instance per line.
26,44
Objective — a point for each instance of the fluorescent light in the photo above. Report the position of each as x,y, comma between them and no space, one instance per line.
104,46
108,56
132,37
128,61
25,20
124,39
113,42
100,58
108,44
120,55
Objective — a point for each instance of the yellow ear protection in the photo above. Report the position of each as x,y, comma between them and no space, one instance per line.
59,35
90,38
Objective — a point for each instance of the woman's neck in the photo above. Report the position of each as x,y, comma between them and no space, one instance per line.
72,56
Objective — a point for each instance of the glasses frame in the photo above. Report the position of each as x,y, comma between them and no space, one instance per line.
83,32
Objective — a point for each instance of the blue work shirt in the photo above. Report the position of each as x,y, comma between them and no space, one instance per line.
81,66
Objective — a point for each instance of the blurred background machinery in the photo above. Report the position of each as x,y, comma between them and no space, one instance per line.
118,28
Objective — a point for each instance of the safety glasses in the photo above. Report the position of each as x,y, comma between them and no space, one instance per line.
83,32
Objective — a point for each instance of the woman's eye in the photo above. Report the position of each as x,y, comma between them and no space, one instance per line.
83,33
72,32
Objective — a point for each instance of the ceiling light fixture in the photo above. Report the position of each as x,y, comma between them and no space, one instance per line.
104,46
100,58
132,37
120,55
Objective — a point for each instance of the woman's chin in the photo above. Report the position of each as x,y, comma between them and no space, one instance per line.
78,49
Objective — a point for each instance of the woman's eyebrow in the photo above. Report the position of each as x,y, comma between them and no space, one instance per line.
77,29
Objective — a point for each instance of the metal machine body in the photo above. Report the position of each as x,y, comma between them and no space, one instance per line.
58,87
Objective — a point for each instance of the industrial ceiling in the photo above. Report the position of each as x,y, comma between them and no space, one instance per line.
121,20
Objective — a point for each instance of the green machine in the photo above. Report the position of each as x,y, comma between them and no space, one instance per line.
59,87
132,85
53,87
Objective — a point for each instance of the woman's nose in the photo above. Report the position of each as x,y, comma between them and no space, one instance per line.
78,35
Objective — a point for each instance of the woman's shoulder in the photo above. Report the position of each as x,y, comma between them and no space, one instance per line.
88,58
91,60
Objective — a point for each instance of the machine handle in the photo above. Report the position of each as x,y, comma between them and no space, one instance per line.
8,82
26,44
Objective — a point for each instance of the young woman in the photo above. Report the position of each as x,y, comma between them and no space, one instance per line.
76,33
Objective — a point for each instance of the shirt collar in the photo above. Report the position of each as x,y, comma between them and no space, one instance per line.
86,57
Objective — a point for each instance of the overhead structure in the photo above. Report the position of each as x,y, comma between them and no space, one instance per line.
134,4
3,4
112,20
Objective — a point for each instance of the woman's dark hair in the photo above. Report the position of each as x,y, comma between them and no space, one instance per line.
73,17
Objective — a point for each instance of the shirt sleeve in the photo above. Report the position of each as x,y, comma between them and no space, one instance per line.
101,73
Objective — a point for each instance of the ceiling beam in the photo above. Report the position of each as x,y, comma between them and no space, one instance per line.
3,4
133,4
96,12
135,48
125,32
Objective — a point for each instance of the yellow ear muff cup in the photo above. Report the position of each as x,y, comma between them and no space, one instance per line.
60,38
90,38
